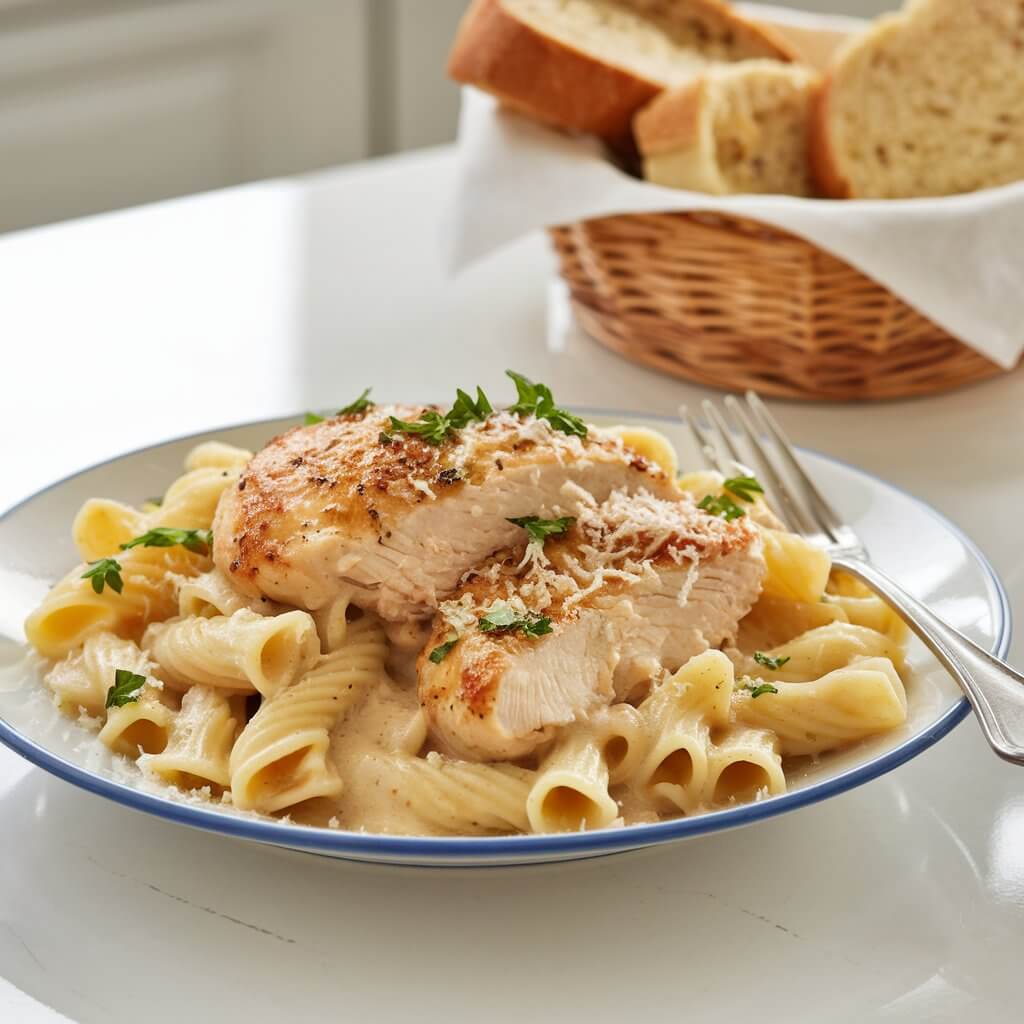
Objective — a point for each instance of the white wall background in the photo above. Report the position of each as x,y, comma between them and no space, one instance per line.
108,103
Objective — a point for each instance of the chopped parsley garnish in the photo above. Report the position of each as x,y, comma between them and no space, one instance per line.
435,427
127,687
432,426
540,529
199,541
537,400
464,410
361,404
760,689
721,505
744,487
104,571
155,501
439,653
385,438
503,619
768,661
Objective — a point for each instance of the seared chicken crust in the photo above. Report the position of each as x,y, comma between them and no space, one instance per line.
350,502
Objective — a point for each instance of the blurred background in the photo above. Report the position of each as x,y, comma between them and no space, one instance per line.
110,103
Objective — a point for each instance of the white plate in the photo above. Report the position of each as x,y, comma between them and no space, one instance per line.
907,538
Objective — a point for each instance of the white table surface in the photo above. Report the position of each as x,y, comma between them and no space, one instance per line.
899,901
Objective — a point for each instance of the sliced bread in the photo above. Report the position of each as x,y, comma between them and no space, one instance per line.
589,65
734,128
928,102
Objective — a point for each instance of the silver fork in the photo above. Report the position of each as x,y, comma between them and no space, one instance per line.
994,689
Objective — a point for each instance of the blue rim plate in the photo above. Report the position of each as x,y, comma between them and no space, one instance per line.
867,500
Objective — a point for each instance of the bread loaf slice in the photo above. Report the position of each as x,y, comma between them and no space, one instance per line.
928,102
734,128
589,65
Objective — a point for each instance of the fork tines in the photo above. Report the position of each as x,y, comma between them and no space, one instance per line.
744,438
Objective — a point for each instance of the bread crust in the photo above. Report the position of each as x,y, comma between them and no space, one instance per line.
559,84
825,173
671,120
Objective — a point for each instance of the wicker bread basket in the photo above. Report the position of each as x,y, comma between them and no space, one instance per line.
737,304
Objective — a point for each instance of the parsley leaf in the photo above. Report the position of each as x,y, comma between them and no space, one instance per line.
768,661
465,409
104,571
310,418
744,487
435,427
540,529
503,619
361,404
722,506
199,541
537,400
757,691
431,426
155,501
127,688
439,653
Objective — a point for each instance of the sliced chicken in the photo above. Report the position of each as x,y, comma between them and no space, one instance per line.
639,584
351,502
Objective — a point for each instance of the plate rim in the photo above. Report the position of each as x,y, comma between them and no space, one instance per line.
496,849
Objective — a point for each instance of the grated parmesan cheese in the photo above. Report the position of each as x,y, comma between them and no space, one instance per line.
423,487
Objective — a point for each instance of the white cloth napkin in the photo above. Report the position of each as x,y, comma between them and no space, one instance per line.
959,260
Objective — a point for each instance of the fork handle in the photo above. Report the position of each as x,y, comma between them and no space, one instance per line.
995,690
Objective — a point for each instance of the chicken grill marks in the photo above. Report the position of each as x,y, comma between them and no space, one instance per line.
350,500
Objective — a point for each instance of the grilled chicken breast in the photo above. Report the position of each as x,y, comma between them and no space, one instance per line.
637,585
350,502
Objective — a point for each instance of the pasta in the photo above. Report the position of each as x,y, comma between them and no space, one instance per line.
332,622
211,594
458,796
199,744
822,650
80,681
217,455
743,765
74,611
679,715
864,608
277,701
142,725
797,570
652,445
281,758
843,706
240,653
571,791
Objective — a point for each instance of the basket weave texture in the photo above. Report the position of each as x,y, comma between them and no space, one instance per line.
736,304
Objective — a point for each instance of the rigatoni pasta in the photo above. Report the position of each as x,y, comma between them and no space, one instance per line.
457,797
283,756
240,653
202,735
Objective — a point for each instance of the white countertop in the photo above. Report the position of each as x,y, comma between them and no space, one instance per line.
902,900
